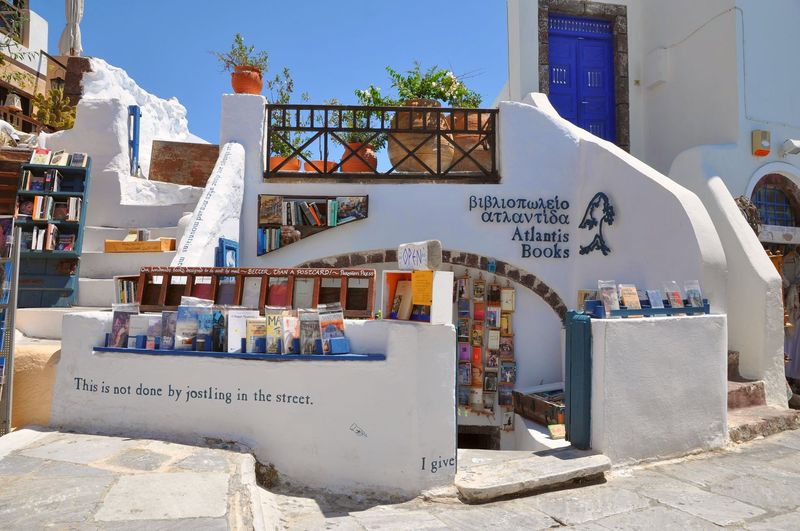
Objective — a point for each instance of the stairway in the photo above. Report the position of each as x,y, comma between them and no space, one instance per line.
749,416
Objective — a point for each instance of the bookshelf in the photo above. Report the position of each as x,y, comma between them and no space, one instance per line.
286,219
49,278
8,306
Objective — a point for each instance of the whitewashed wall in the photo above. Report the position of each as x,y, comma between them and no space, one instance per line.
662,232
363,425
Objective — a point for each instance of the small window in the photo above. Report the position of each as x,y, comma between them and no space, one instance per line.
773,206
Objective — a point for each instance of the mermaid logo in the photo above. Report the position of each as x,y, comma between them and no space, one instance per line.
589,222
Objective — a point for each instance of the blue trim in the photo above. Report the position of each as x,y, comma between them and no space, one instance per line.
580,27
134,116
263,357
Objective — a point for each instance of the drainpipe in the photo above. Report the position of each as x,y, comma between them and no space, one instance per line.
134,117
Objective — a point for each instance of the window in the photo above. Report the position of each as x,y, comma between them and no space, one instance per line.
773,206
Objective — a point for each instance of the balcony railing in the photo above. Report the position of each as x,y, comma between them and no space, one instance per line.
423,143
12,18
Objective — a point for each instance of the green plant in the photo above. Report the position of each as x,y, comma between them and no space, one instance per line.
359,119
54,109
280,90
242,55
434,84
10,48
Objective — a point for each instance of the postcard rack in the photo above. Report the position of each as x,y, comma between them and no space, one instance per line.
161,288
596,309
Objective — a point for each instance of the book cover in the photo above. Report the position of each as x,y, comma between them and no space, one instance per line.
508,420
493,339
655,298
463,396
274,328
291,332
463,329
607,290
464,374
303,294
402,303
120,321
78,160
476,397
505,324
493,295
186,327
463,351
493,317
479,311
351,208
153,334
492,359
226,291
60,210
477,375
673,294
463,307
66,242
138,325
237,327
490,382
309,331
507,299
479,289
462,288
693,294
506,348
251,292
59,158
219,343
25,208
477,356
168,323
256,335
505,397
489,401
270,209
41,156
331,324
278,294
477,334
508,373
630,297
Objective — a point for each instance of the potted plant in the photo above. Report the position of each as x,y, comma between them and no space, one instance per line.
473,138
418,88
284,143
245,65
321,165
359,146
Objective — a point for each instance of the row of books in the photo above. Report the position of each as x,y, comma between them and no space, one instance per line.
59,158
47,239
43,208
49,182
633,299
274,210
199,326
506,375
125,290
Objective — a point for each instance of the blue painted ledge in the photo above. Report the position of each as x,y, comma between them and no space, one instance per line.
266,357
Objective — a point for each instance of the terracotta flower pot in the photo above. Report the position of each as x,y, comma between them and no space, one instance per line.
291,165
319,166
476,123
246,79
427,153
354,164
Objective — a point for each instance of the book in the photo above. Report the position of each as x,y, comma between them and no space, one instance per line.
402,303
655,298
78,160
274,328
607,290
463,329
505,396
493,339
489,400
270,210
463,351
506,348
61,210
303,296
464,374
508,373
673,294
120,321
205,328
478,311
693,294
477,335
256,335
463,308
41,156
219,341
226,291
137,327
478,290
237,327
477,356
490,382
309,331
331,324
493,317
505,324
351,208
557,431
507,299
153,337
59,158
186,327
290,325
493,296
630,298
492,359
462,288
66,242
168,322
477,375
463,396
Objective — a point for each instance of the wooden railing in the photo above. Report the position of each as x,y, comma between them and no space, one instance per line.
12,18
429,143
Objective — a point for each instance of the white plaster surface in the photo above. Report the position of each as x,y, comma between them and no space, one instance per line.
658,386
403,409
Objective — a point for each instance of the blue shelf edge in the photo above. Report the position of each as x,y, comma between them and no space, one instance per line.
235,355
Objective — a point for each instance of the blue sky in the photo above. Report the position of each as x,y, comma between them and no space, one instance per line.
331,46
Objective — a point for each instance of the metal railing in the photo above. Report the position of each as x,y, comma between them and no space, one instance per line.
422,142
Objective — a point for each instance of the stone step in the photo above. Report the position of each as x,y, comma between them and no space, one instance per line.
759,421
107,265
94,237
746,394
485,475
96,292
44,323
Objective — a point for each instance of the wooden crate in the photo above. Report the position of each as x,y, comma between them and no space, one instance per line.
155,246
538,408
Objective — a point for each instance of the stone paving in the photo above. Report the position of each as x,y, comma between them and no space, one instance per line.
750,486
60,480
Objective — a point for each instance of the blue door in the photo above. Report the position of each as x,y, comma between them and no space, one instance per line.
582,73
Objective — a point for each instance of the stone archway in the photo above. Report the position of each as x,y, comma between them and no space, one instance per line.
461,258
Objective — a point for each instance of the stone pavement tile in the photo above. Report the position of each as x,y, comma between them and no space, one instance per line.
589,526
59,469
138,459
701,472
787,438
32,503
185,524
775,494
162,496
763,450
81,449
784,522
582,505
17,465
718,509
204,461
757,465
655,518
493,516
390,519
787,464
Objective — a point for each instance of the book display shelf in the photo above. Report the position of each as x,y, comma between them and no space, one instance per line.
8,304
161,288
286,219
51,211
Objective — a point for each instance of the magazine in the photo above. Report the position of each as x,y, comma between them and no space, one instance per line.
607,291
274,331
331,324
309,331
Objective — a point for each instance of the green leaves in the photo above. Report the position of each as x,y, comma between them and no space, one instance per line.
242,55
433,84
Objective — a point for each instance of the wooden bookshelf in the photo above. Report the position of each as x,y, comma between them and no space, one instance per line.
161,288
50,278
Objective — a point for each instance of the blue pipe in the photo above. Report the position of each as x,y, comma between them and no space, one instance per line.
134,117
